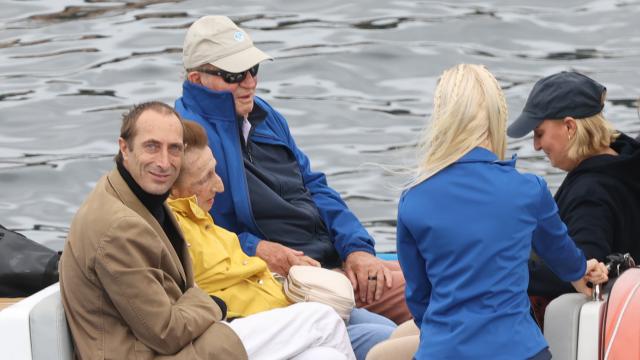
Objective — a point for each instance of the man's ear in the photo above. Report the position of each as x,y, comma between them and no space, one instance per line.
571,125
124,149
194,77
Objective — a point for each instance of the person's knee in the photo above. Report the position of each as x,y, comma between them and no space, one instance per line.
407,328
398,349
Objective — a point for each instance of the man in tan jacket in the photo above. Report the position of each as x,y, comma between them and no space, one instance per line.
125,274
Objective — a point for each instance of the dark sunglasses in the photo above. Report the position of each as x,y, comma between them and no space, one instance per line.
229,77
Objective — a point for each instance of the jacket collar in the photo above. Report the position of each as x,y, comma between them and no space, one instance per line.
188,207
207,102
130,200
218,105
480,154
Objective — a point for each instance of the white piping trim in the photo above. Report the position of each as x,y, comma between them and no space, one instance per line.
615,329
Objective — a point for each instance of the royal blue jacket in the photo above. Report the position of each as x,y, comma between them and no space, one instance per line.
215,111
464,238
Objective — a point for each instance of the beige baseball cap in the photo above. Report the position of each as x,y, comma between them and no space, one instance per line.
216,40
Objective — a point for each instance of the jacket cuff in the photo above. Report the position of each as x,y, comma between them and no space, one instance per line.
249,243
221,304
363,247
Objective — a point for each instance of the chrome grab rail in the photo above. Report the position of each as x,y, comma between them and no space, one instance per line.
596,295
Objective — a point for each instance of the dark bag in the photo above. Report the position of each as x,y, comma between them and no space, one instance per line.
617,263
25,266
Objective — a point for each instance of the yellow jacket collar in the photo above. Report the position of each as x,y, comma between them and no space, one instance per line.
188,207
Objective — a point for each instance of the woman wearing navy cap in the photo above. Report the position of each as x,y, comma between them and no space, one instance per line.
466,225
599,200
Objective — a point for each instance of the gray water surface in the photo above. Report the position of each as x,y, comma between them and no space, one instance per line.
354,78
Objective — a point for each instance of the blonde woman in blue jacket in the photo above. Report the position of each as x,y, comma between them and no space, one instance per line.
466,226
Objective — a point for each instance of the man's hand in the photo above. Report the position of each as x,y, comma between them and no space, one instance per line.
368,275
280,258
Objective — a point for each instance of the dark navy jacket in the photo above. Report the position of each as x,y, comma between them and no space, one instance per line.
464,239
215,111
599,201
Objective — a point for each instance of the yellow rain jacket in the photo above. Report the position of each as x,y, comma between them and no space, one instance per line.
221,268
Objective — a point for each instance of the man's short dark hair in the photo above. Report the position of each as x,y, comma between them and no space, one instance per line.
130,118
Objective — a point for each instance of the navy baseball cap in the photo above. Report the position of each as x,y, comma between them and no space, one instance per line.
556,97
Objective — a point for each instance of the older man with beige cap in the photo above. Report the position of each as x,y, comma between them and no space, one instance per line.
282,211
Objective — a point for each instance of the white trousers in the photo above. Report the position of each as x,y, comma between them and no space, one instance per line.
301,331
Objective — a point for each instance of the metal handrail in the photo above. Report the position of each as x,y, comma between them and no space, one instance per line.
596,295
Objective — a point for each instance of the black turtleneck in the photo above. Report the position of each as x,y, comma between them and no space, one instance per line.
155,205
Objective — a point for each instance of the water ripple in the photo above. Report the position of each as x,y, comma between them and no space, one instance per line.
73,13
91,92
12,95
381,222
50,160
55,53
162,15
629,103
366,198
395,112
136,54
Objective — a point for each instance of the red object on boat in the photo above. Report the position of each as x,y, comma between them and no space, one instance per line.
622,321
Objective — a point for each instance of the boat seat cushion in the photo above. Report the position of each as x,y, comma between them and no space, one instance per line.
50,337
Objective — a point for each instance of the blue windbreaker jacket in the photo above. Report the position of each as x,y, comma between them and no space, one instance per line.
464,239
215,111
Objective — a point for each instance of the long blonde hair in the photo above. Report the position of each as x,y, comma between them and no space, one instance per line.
469,109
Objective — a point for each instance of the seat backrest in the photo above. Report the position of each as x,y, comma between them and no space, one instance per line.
50,337
561,324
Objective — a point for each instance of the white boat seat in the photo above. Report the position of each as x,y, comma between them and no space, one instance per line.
36,328
50,337
561,324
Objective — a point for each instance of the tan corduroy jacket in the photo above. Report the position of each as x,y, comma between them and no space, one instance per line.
125,292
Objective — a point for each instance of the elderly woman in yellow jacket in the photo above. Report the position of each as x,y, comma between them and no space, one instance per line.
222,269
